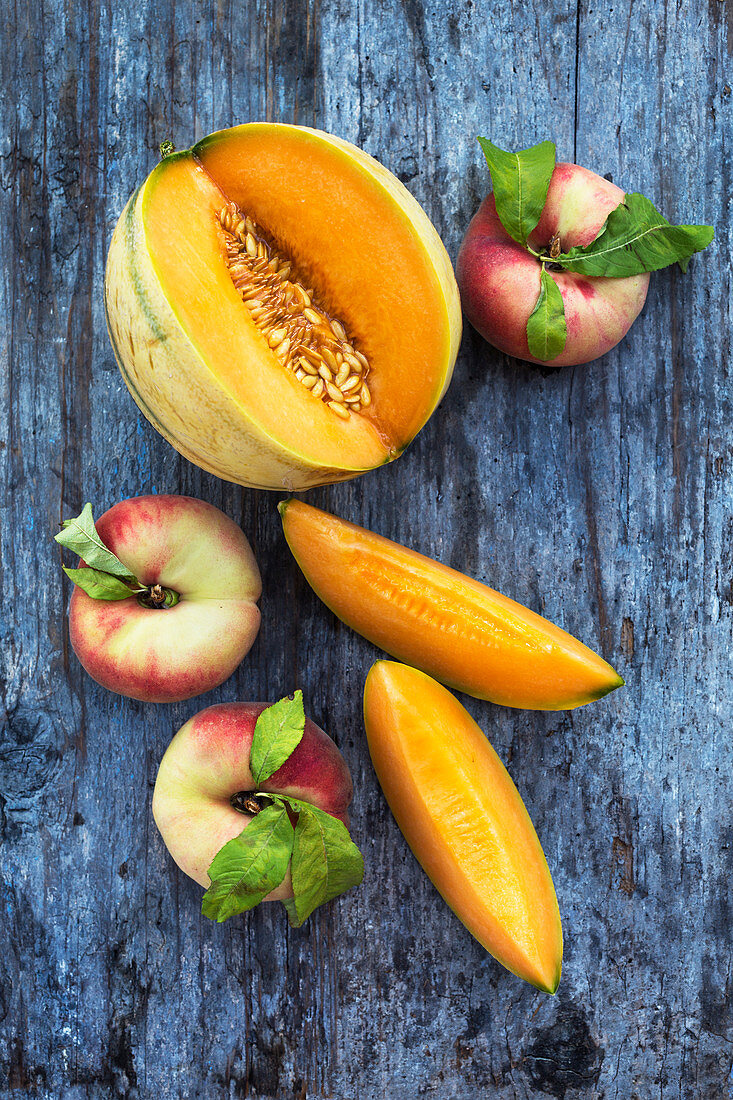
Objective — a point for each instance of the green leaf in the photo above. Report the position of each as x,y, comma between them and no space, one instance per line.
80,535
546,331
520,181
98,585
325,861
278,732
248,867
635,239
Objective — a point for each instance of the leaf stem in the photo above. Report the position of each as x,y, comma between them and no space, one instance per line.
157,598
545,258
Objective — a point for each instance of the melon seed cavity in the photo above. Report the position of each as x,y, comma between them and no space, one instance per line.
308,342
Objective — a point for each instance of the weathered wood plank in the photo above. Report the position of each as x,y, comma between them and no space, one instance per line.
600,496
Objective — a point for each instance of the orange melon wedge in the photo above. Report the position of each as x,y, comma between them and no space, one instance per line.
456,629
464,820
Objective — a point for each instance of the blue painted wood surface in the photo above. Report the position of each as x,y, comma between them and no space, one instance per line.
600,496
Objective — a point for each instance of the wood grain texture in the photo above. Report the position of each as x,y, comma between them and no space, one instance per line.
599,496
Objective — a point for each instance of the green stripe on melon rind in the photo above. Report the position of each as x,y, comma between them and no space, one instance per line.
158,332
143,303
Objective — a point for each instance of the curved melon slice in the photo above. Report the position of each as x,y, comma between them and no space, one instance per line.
206,367
459,630
464,820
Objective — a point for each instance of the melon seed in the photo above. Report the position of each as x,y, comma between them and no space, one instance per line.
329,357
334,392
300,332
343,374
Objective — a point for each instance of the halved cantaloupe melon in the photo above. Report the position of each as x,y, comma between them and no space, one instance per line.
459,630
464,819
281,308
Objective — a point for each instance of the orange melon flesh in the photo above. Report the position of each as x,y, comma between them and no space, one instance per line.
456,629
187,253
358,249
464,820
